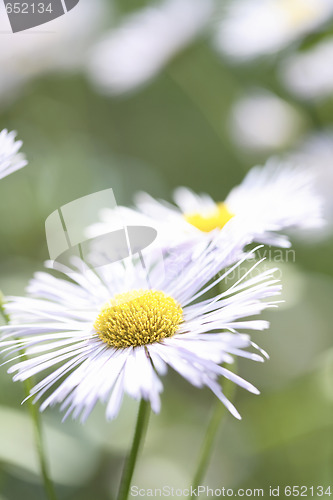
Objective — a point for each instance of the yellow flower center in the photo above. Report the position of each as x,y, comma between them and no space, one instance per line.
214,219
138,318
298,12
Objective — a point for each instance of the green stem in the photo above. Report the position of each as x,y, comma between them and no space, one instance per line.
37,425
2,309
35,417
139,435
214,425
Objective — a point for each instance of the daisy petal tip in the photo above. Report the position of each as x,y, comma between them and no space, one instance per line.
156,409
237,415
233,410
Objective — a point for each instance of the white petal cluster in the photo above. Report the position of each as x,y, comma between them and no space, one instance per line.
277,197
309,74
263,121
315,153
10,157
26,56
253,28
133,53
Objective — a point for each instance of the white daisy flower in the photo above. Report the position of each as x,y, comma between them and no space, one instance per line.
133,53
308,74
26,56
253,28
270,199
263,121
10,158
116,330
316,154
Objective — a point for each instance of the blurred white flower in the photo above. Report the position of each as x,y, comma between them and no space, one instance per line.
263,121
310,74
315,154
133,53
271,199
59,46
115,330
10,158
253,28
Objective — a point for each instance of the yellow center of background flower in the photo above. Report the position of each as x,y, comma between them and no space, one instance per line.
138,318
215,219
298,12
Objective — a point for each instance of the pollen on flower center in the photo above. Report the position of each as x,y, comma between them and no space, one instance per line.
214,219
138,318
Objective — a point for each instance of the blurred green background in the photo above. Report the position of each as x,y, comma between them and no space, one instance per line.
174,130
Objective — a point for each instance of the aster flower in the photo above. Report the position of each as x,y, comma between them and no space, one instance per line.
315,152
307,74
252,28
23,58
270,199
115,330
134,52
262,121
10,158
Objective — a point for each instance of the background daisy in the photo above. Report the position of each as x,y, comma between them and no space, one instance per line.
307,74
134,52
253,28
271,199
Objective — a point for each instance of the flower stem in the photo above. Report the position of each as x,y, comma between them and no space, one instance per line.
2,309
35,417
214,424
37,425
139,435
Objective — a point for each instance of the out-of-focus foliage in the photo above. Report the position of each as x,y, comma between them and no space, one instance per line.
186,125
